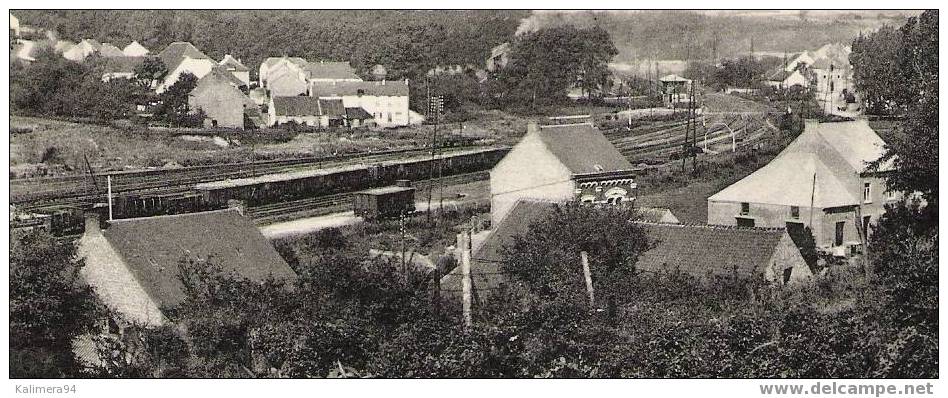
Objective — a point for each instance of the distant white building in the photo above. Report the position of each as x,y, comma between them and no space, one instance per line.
14,26
134,49
82,50
236,68
183,57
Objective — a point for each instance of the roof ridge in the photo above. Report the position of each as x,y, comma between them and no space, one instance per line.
713,226
164,216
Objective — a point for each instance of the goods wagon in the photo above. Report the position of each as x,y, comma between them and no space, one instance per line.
385,202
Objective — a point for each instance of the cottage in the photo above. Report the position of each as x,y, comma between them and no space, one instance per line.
272,63
133,264
110,51
120,67
285,81
307,111
561,163
224,104
821,181
783,79
386,101
82,50
357,117
236,68
802,59
134,49
702,251
183,57
675,90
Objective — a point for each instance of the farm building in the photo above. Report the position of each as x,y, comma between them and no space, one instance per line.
182,57
218,95
285,81
133,265
82,50
782,79
134,49
307,111
821,180
702,251
273,64
120,67
384,202
236,68
561,163
386,101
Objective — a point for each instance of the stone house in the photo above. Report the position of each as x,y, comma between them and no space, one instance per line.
272,64
183,57
224,104
561,163
821,180
307,111
236,68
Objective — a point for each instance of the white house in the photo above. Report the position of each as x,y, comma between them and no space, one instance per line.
236,68
182,57
134,49
272,64
386,101
803,58
82,50
783,79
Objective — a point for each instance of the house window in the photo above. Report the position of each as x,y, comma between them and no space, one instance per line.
795,212
786,275
745,208
867,192
865,227
745,222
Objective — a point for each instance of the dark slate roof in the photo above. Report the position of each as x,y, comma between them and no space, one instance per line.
703,250
153,246
698,250
332,107
177,51
330,70
397,88
296,106
582,147
485,267
358,113
109,50
121,64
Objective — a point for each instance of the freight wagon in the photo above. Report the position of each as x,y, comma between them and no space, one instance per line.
385,202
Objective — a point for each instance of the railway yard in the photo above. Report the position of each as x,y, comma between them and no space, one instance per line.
281,190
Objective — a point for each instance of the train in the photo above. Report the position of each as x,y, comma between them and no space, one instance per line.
386,202
312,183
270,188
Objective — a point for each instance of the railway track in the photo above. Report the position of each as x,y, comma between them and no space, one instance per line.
327,204
178,180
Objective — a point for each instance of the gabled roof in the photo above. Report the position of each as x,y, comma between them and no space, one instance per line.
779,75
656,215
582,148
269,62
232,63
703,250
109,50
297,106
358,113
152,248
486,259
332,107
330,70
176,52
135,49
121,64
698,250
218,78
802,173
397,88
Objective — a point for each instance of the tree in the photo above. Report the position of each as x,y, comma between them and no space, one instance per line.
48,306
173,106
547,259
151,70
873,69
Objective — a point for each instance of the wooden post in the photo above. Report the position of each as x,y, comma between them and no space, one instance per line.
588,276
466,280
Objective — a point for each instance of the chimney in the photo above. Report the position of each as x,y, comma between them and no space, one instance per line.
238,205
533,127
94,217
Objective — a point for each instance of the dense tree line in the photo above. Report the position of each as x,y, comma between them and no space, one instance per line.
407,43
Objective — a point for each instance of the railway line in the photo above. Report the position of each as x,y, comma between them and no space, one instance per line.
35,194
326,204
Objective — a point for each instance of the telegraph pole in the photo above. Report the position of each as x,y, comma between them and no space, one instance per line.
694,129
